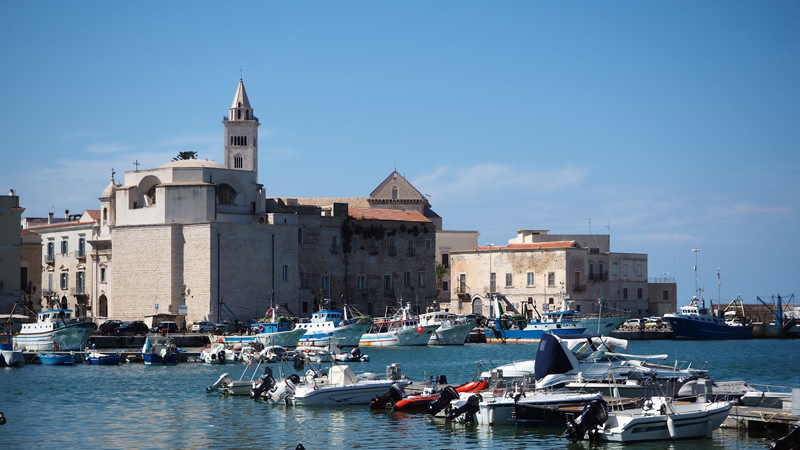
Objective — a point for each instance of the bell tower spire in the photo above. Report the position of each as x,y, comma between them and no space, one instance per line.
241,133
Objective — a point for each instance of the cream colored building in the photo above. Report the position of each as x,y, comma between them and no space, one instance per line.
538,269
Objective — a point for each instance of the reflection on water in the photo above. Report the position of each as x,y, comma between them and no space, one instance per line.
142,407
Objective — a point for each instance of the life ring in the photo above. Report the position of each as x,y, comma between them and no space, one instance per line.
55,346
268,313
261,328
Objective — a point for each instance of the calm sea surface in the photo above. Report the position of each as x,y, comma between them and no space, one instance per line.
133,406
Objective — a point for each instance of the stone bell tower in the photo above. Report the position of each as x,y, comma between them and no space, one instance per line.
241,134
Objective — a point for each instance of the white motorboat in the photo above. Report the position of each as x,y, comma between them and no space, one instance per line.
660,418
498,409
341,386
450,331
401,330
8,356
54,330
328,324
333,351
214,353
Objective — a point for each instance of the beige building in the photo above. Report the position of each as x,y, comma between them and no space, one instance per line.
539,269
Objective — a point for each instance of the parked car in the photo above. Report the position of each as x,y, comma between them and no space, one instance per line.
634,323
108,326
132,329
203,326
654,322
169,327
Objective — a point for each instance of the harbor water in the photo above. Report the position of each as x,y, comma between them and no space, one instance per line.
134,406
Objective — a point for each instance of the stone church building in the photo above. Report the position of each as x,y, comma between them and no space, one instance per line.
201,238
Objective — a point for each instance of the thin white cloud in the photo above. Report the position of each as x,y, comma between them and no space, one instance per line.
448,182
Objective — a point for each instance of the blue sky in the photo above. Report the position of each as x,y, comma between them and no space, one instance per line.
674,125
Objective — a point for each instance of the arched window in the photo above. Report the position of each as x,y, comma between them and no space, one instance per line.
225,194
394,193
105,214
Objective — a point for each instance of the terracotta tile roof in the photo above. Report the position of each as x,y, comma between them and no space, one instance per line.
354,202
531,246
93,213
26,232
386,214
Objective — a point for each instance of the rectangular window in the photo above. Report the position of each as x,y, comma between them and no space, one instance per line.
81,247
299,235
50,282
665,295
428,244
624,270
509,280
551,279
624,293
391,243
600,275
285,273
361,282
531,279
334,244
445,286
421,279
102,274
326,281
615,269
64,281
492,282
639,293
407,279
387,282
305,307
354,242
591,271
64,247
446,259
302,280
80,278
639,270
51,248
462,283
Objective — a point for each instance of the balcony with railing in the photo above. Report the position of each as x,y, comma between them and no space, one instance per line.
77,290
579,288
598,276
50,258
80,254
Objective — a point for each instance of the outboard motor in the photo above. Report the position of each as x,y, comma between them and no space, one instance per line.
393,395
224,379
299,362
281,392
221,356
593,416
265,382
468,410
355,353
446,396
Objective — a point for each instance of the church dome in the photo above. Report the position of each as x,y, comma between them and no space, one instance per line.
193,163
109,190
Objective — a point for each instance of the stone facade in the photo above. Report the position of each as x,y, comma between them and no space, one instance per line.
539,269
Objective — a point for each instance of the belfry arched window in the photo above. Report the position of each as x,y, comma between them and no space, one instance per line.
225,194
238,161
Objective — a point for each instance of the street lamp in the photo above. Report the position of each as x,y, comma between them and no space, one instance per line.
696,251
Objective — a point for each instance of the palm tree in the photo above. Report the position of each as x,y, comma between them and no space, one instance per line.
441,272
185,155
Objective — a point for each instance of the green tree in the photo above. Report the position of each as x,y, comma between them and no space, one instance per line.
185,155
441,272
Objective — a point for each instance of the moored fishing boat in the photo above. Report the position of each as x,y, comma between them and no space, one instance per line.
510,331
695,321
401,330
331,323
95,357
450,331
54,330
59,359
271,330
159,350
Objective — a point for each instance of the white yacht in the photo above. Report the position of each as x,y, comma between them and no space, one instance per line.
449,332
